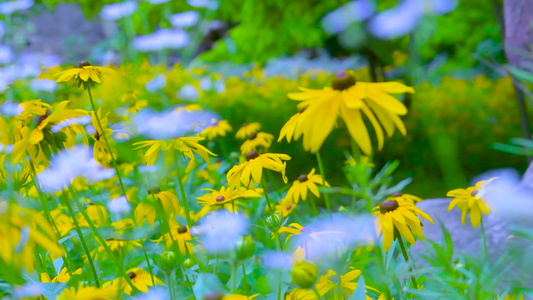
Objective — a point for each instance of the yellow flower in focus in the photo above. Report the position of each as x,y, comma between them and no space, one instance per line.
345,283
284,207
219,129
247,129
303,184
351,100
88,293
85,74
406,197
178,234
301,294
252,168
63,276
140,278
399,215
226,198
257,140
470,200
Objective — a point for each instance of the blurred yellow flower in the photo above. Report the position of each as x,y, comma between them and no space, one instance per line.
85,73
399,215
179,234
140,278
219,129
226,198
239,297
301,294
247,129
349,98
288,130
100,149
63,276
304,183
292,229
284,207
470,200
88,293
252,168
257,140
344,282
96,212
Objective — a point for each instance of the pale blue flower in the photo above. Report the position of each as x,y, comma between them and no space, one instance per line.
277,260
69,164
154,293
184,19
11,109
83,120
188,92
158,1
507,195
9,7
45,85
119,205
6,149
156,84
6,54
220,230
161,39
29,289
119,10
2,28
340,18
209,4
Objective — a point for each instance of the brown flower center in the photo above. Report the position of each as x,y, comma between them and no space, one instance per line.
97,136
220,198
301,110
388,205
182,229
132,275
40,119
252,155
342,81
83,63
252,136
289,207
303,178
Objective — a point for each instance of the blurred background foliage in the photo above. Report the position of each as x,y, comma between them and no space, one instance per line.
461,106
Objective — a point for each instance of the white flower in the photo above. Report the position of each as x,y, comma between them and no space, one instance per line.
119,205
9,7
184,19
188,93
156,84
219,231
161,39
69,164
45,85
507,196
119,10
29,289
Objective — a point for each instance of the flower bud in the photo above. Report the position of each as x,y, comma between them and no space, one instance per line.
273,222
304,274
189,263
167,261
245,247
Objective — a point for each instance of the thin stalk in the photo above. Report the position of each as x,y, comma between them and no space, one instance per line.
484,245
265,191
406,257
245,281
321,168
233,276
313,204
279,285
171,285
82,239
179,180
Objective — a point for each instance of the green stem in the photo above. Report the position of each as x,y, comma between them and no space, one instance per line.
244,280
484,240
179,182
82,239
265,191
379,255
279,285
406,257
233,276
313,204
321,168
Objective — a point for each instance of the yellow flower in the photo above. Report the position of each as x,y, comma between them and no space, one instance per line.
304,183
345,283
123,225
116,245
63,276
247,129
226,197
292,229
97,213
470,200
219,129
349,98
169,202
85,74
239,297
399,215
256,140
406,197
364,160
87,293
100,149
145,211
284,207
252,168
180,235
289,128
301,294
58,114
140,279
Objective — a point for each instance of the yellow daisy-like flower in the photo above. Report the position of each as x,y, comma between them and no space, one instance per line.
288,130
145,211
247,129
85,74
140,278
345,282
285,207
100,149
96,212
406,197
349,98
470,200
257,140
239,297
116,245
178,234
63,276
252,168
88,293
226,198
401,216
303,184
301,294
169,202
221,128
292,229
59,113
